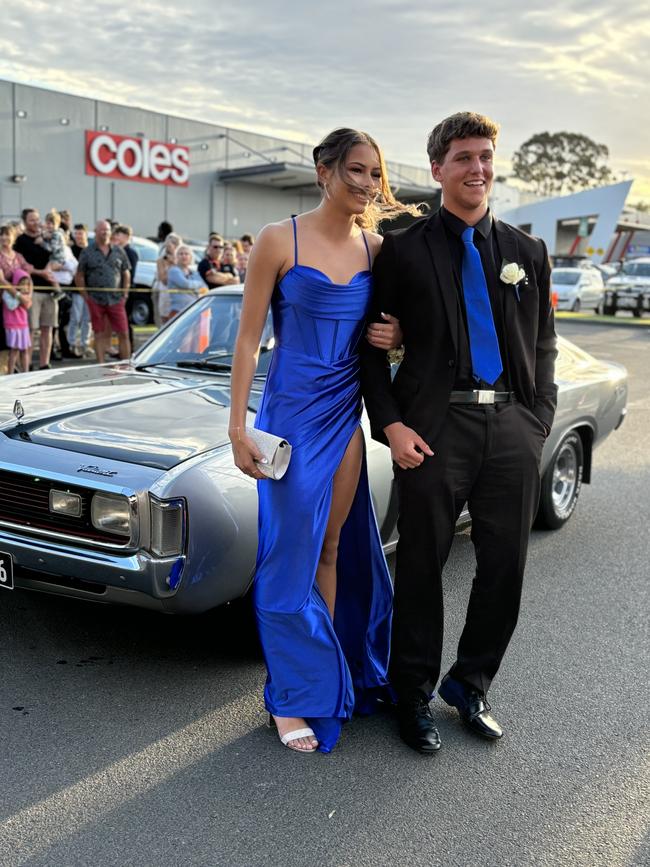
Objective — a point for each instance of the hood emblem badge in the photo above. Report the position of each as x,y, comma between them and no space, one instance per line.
19,412
96,471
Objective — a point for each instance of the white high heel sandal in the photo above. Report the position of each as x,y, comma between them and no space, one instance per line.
293,736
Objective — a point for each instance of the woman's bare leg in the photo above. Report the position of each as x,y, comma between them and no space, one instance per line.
346,481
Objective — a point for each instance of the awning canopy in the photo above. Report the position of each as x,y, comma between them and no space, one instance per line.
290,176
622,224
281,175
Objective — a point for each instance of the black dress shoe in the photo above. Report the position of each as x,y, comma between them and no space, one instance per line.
472,706
416,726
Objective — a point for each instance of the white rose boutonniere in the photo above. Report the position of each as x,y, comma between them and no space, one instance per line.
513,274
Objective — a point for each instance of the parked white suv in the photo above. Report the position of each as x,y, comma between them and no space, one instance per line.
630,288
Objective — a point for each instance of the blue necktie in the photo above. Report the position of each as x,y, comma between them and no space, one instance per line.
483,341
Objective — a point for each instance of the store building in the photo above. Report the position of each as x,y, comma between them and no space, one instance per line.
590,224
100,159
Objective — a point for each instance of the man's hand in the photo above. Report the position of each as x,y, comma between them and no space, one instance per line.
406,447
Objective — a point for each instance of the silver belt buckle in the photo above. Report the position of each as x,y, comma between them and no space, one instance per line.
485,396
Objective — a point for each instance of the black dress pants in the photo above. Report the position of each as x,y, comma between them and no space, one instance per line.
487,456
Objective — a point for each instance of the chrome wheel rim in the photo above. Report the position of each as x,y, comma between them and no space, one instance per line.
565,478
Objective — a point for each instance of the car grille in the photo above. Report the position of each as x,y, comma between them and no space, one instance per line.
25,502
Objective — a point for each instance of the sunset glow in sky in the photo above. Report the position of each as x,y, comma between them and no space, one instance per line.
391,67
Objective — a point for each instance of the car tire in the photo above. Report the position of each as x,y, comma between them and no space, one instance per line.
575,307
638,314
561,483
600,308
141,312
609,310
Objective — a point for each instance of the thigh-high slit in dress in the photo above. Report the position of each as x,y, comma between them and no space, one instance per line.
318,669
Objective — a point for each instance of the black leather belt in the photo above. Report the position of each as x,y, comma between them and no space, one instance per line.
481,396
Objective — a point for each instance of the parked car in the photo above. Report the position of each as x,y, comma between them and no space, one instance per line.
630,288
139,305
118,480
578,288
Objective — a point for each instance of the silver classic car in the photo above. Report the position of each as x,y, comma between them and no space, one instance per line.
117,482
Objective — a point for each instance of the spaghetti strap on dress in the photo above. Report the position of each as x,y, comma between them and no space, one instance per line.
318,669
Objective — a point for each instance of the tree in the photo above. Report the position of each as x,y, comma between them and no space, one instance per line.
563,162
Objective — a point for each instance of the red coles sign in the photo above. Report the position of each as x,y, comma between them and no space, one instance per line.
136,159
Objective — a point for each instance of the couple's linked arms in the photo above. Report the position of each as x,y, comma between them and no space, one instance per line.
407,447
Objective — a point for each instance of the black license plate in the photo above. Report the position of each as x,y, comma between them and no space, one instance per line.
6,571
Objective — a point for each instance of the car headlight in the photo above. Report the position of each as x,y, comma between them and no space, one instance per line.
167,526
65,503
113,513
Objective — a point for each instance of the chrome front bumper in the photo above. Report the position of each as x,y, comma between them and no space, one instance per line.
134,578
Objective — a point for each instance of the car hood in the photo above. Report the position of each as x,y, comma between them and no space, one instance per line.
628,280
156,418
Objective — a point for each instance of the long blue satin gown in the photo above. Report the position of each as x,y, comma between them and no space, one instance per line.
318,670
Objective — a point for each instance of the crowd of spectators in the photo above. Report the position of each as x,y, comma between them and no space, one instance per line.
179,280
71,291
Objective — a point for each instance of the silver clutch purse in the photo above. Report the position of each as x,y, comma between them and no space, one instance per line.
276,450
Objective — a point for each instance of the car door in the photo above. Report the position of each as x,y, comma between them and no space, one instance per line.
597,289
586,289
582,289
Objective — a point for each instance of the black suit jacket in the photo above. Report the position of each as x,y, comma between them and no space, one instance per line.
413,280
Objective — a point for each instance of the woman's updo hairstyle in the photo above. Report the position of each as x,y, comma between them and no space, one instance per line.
333,151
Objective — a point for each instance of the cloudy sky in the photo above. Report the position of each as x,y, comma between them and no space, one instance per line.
392,67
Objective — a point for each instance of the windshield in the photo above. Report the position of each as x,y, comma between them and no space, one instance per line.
636,269
564,277
204,332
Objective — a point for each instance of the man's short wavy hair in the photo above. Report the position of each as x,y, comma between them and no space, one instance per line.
463,124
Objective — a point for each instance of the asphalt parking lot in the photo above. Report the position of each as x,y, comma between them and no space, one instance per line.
130,738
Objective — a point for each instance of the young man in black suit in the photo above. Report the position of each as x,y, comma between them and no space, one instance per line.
465,417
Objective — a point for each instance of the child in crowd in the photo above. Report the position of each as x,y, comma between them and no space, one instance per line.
62,263
16,301
54,241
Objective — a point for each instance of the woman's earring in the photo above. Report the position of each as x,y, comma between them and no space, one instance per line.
327,192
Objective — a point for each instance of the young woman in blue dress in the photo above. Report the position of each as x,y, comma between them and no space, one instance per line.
322,590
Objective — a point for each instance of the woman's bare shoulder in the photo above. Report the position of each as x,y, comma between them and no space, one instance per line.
272,251
274,232
274,238
374,242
